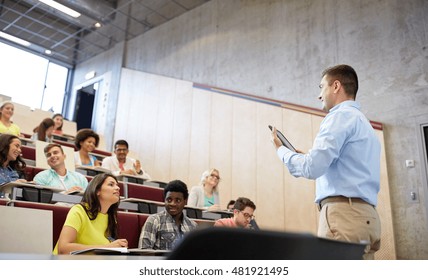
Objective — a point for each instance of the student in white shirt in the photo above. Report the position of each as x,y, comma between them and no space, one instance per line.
121,164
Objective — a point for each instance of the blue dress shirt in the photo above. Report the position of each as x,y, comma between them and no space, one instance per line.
344,159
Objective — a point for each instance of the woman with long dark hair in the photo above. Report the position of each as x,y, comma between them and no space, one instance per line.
59,122
12,166
43,132
93,222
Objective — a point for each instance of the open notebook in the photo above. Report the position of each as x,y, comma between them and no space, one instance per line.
120,251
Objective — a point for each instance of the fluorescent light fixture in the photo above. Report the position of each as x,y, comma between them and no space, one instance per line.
15,39
48,52
61,8
90,75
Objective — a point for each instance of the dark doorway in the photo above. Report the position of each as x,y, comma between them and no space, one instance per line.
84,107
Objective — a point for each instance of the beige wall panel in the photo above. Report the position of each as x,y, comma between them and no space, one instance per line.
163,144
316,123
221,143
148,122
387,249
270,171
200,135
181,131
27,119
298,192
130,81
134,123
244,167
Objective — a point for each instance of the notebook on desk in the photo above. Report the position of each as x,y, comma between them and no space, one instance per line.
121,251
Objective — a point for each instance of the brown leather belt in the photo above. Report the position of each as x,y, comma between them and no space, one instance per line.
340,198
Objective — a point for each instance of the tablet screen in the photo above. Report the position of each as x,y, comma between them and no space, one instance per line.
284,140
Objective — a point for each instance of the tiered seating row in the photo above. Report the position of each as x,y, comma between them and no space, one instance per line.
134,190
129,224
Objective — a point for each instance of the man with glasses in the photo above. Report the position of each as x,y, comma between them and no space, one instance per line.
243,211
58,175
121,164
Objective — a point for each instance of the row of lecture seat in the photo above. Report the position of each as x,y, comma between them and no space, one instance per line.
129,224
29,152
134,190
72,145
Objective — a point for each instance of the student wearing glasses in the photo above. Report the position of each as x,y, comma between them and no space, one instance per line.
206,194
242,215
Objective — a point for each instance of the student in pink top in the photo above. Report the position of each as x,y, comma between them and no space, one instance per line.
243,211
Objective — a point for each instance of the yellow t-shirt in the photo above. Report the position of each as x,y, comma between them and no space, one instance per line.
12,129
89,232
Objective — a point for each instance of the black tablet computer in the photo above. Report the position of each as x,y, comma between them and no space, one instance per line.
284,140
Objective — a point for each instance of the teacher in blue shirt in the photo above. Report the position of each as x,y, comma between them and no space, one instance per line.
345,161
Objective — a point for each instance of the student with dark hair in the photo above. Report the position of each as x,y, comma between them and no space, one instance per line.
12,166
59,121
93,222
344,161
230,205
120,163
163,230
43,132
58,175
243,211
86,141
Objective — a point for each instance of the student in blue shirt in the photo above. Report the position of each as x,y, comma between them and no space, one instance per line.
345,161
58,175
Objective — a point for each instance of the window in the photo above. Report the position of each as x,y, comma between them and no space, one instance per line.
32,80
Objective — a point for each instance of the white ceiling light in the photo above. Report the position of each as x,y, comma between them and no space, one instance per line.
15,39
61,8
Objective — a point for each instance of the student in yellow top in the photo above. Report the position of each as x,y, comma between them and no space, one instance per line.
93,222
6,125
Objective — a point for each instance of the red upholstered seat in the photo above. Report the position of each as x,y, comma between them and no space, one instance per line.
129,224
29,172
128,228
3,201
145,192
101,152
28,152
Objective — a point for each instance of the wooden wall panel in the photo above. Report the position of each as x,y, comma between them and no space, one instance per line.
181,127
165,122
199,136
387,249
298,192
220,150
244,149
270,195
142,146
